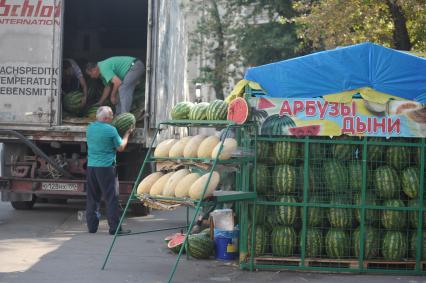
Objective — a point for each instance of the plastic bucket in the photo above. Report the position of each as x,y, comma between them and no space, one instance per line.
225,248
226,244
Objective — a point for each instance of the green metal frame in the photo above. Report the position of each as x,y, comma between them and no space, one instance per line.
419,269
243,196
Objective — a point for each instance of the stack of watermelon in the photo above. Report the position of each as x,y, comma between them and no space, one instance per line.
216,110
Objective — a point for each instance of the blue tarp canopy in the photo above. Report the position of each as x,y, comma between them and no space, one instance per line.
343,69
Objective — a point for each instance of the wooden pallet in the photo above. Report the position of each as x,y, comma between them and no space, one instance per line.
340,263
393,265
311,262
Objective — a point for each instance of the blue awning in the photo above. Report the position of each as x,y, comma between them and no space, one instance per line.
343,69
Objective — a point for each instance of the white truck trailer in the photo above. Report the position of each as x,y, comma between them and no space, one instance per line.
44,154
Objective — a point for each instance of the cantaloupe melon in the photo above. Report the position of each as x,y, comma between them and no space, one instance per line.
157,188
163,148
196,190
178,147
169,188
229,146
191,148
182,188
206,147
146,184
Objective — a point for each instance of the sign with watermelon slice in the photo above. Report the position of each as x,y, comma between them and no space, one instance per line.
320,117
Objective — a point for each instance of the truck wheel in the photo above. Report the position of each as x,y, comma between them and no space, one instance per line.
23,205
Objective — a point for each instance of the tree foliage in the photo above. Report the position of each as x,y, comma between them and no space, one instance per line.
398,24
232,35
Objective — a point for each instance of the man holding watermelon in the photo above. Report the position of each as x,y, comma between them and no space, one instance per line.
103,141
120,76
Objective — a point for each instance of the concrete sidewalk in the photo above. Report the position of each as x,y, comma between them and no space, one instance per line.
50,245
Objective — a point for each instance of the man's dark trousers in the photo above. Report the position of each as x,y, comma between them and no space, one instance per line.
102,181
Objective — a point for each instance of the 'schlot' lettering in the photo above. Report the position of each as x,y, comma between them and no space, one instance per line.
30,9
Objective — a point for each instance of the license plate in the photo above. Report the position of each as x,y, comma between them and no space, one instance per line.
59,187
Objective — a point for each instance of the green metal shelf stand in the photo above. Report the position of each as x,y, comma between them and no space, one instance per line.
243,196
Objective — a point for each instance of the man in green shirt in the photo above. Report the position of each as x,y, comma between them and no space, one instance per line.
119,74
103,141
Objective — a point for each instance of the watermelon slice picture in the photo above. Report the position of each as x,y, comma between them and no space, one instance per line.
170,237
238,110
264,103
302,131
176,242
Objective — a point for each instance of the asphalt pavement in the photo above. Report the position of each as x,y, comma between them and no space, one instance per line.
50,245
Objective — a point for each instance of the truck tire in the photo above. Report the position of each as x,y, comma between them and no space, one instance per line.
23,205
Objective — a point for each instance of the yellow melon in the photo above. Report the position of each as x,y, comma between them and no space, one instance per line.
157,188
178,147
182,188
196,190
146,184
163,148
229,146
191,148
206,147
169,188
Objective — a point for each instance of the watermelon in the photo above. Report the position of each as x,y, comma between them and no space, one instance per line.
371,242
124,122
375,152
91,112
200,246
181,110
355,175
303,131
315,214
398,156
238,111
283,241
170,237
260,212
371,215
276,125
413,245
410,181
387,182
261,240
394,245
175,243
284,179
263,150
314,179
285,214
285,152
314,242
318,151
340,217
414,215
394,219
72,102
264,103
263,179
337,244
336,176
199,111
258,116
343,152
217,110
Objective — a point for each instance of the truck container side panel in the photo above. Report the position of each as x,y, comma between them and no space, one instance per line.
30,32
170,60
